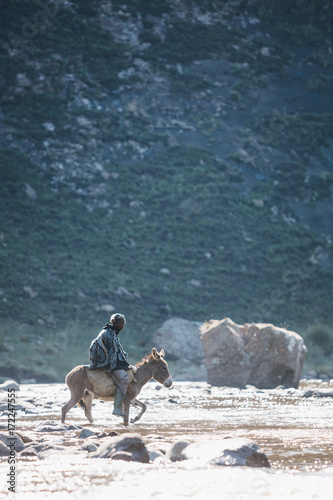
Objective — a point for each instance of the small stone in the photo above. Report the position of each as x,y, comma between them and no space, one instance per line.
196,283
164,270
50,127
86,433
106,307
83,121
174,453
89,447
264,51
135,204
30,292
30,192
258,202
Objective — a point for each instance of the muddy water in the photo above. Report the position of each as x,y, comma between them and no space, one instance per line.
295,433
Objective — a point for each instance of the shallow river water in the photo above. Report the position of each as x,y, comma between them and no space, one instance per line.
295,433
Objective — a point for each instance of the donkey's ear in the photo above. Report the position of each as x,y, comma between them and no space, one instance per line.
162,353
154,353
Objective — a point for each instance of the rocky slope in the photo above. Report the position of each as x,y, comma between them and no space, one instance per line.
165,158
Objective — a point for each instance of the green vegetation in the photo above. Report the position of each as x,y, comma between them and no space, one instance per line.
100,206
319,341
303,133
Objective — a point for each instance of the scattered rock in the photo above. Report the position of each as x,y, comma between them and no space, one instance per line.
30,292
9,384
54,427
20,405
153,454
15,440
83,121
196,283
229,451
106,307
261,355
30,192
50,127
164,270
174,453
64,453
317,394
130,443
26,437
86,433
90,447
4,450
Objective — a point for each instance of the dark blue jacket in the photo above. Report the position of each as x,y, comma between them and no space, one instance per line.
104,350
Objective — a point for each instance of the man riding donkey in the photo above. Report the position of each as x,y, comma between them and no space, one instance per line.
106,352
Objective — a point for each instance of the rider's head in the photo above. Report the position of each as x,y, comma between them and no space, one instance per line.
118,321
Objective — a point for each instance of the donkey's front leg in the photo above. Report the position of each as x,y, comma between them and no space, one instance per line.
143,407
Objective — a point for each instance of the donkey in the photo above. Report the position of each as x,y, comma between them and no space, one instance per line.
86,384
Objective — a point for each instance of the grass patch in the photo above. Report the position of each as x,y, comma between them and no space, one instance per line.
304,133
319,341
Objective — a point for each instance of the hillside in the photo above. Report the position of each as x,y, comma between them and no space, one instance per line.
161,158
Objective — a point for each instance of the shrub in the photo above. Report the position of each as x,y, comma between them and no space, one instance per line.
321,336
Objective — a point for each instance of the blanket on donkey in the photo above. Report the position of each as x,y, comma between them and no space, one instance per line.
103,384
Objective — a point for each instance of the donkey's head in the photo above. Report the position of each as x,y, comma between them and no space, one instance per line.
160,371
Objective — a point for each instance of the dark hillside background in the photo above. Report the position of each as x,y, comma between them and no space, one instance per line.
163,159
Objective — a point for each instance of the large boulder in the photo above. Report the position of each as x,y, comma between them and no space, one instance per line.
181,342
258,354
229,451
180,339
128,446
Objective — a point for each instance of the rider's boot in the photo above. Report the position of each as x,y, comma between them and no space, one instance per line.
118,401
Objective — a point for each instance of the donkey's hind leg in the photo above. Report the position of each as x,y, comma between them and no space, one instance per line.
72,402
74,399
87,400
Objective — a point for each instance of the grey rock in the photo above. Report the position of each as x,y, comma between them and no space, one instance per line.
86,433
261,355
42,450
54,427
180,339
26,437
153,454
4,450
90,447
15,441
229,451
9,384
122,455
174,453
128,442
317,394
